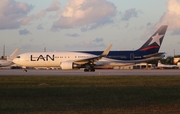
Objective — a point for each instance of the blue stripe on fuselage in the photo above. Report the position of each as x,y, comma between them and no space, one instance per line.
122,55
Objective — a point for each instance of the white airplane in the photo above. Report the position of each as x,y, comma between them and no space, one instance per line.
8,62
89,59
65,60
164,66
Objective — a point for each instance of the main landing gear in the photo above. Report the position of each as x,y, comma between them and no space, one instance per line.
25,70
89,68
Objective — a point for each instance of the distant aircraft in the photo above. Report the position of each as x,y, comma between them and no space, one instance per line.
8,62
164,66
89,59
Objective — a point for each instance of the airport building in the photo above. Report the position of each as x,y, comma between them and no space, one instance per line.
136,66
177,60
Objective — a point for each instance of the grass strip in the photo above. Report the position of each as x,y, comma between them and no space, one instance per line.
90,94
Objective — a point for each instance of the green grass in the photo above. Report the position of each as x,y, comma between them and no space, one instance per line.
90,94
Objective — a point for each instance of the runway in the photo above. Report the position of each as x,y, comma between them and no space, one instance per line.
154,72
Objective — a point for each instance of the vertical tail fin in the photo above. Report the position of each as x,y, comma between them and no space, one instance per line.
13,55
153,44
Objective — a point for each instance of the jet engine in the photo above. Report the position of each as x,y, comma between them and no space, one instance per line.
67,65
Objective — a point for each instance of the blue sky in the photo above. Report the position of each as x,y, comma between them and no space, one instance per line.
71,25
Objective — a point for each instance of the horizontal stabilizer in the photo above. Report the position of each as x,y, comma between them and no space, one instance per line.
154,55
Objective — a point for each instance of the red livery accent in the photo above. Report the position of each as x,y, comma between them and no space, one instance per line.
150,47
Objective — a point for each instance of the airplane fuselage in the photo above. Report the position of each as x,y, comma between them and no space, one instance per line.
54,59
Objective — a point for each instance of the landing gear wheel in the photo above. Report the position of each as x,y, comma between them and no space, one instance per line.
25,70
86,70
92,70
89,68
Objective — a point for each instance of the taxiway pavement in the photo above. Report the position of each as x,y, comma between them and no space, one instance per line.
154,72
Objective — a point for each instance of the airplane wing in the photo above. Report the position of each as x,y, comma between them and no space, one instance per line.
94,59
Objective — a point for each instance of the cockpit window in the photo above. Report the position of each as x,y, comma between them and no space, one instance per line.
18,57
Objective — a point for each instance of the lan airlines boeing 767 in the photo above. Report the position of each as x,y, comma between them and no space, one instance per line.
89,59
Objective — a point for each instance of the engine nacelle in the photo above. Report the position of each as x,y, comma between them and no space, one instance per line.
66,65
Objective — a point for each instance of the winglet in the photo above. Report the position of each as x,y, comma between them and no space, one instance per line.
13,55
106,51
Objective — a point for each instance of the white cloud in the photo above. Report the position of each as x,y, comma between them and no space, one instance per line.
172,17
73,35
79,13
97,40
24,32
40,27
55,5
11,13
87,14
128,14
32,17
